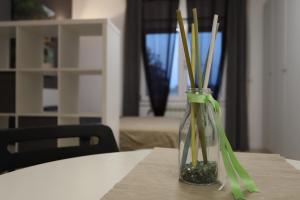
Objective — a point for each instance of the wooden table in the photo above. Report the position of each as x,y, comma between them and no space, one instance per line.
88,177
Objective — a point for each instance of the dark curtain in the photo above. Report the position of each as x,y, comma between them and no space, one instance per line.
132,58
236,98
159,37
206,10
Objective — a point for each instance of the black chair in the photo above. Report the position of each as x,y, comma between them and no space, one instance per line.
11,161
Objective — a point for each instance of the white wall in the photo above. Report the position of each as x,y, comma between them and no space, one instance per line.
291,97
282,110
114,9
255,69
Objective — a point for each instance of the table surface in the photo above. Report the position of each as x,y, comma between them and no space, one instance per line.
87,177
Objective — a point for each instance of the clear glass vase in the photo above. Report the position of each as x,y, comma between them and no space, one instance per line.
198,143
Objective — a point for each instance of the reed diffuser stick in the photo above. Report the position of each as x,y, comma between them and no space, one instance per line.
197,52
199,73
192,83
210,52
193,50
201,128
185,48
215,37
193,116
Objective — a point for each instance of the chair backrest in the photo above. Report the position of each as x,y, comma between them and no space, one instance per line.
11,161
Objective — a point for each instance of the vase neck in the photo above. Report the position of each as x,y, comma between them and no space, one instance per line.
199,91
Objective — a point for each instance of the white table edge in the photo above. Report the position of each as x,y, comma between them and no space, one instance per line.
101,173
294,163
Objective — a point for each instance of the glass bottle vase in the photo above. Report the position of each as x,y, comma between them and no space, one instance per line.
198,143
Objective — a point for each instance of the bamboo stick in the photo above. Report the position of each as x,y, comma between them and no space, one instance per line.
210,52
206,79
185,48
198,107
193,50
193,136
201,131
198,58
193,116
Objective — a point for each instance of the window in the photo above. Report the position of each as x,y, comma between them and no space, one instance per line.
179,79
159,42
204,38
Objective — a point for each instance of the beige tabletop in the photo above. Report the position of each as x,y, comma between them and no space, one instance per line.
156,177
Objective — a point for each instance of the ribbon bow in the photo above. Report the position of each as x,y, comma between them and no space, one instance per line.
232,166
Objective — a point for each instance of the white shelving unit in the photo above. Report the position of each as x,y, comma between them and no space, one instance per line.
83,75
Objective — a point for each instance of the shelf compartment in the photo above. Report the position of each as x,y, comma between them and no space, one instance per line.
36,121
8,92
46,70
81,114
7,70
68,120
90,120
34,96
7,114
7,48
80,93
79,119
82,46
37,46
50,93
42,114
82,71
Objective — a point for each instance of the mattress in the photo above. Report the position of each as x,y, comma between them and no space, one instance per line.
148,132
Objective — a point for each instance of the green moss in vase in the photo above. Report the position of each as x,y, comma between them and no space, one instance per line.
202,174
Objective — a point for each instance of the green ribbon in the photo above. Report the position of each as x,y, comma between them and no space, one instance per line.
233,168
